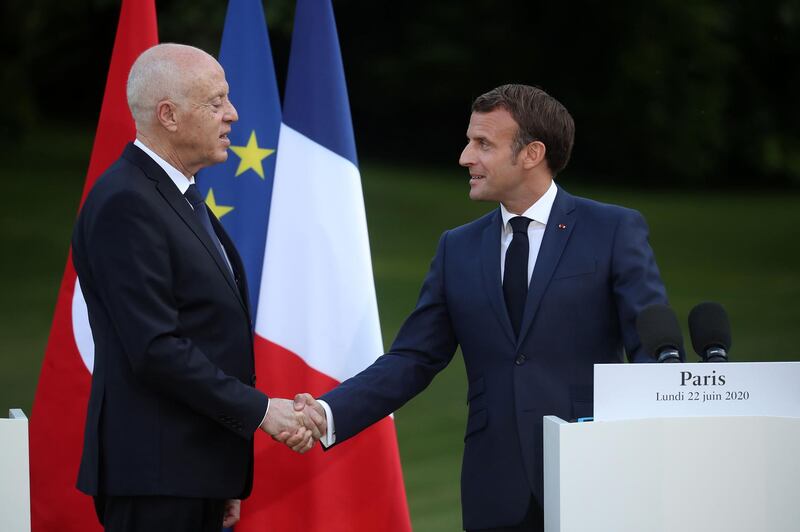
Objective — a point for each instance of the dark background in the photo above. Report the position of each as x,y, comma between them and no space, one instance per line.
665,92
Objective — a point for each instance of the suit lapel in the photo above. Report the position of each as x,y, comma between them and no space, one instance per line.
182,208
490,265
236,260
178,202
558,230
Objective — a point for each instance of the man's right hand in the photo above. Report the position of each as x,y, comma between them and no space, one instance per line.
305,405
298,429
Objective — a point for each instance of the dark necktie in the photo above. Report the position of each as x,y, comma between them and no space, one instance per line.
200,211
515,276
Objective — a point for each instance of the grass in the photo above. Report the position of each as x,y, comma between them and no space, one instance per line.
736,248
41,184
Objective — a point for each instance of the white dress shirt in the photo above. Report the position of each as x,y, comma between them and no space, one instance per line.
539,213
177,177
182,182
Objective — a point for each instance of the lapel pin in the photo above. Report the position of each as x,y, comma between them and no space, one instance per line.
562,226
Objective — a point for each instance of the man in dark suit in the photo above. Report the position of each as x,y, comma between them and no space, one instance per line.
535,293
172,410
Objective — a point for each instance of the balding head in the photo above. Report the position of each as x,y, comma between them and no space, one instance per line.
163,72
178,97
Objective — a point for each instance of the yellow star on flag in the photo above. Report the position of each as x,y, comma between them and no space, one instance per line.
251,156
218,210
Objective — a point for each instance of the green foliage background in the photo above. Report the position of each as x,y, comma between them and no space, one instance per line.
664,92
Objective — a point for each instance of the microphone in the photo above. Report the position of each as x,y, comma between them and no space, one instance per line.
660,333
710,330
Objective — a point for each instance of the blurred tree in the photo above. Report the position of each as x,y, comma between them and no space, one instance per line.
20,108
762,119
51,57
662,117
665,92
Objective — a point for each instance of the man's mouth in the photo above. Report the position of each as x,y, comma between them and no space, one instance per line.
476,177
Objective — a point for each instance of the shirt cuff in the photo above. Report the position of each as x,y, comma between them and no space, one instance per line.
263,419
330,436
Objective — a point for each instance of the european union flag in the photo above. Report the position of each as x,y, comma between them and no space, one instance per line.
239,191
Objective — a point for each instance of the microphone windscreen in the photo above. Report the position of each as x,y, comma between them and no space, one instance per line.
709,327
658,328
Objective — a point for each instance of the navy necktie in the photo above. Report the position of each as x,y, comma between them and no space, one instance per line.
515,276
201,212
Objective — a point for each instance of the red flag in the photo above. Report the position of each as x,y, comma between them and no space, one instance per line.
59,409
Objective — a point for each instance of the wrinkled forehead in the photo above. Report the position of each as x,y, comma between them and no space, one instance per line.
204,78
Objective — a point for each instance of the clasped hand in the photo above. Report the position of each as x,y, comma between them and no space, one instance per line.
298,424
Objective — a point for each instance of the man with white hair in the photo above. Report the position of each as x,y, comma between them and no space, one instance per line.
172,410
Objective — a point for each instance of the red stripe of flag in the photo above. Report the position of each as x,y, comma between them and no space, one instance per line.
356,487
59,408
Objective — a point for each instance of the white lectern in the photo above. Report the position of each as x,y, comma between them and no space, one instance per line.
685,474
15,502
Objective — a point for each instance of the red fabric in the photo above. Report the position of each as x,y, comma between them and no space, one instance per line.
59,408
357,486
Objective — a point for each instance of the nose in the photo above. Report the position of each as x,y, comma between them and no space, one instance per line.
467,159
232,115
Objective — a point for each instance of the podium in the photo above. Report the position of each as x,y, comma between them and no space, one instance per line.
732,474
679,448
15,502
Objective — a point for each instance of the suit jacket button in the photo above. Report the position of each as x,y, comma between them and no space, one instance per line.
520,359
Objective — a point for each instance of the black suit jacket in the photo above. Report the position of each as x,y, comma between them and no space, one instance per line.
594,273
172,410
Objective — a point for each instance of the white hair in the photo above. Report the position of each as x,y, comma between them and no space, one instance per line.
159,73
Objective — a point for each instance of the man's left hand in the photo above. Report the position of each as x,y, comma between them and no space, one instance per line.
232,510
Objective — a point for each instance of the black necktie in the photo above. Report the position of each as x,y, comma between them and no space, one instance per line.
515,276
200,211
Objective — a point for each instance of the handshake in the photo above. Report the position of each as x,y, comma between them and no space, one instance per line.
297,424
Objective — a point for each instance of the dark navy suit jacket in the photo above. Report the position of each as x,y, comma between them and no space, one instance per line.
172,410
594,273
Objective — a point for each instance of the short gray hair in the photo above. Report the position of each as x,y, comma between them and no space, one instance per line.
156,75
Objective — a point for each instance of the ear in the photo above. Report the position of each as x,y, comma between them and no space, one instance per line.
167,115
533,155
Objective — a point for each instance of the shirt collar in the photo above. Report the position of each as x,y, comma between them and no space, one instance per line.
177,177
538,212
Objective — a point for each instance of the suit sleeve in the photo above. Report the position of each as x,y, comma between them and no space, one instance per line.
636,279
423,347
131,269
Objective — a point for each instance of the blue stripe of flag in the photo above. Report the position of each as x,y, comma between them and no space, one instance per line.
316,103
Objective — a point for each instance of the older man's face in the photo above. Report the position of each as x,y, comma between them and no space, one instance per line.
207,115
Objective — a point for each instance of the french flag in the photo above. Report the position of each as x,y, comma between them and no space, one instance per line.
317,317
